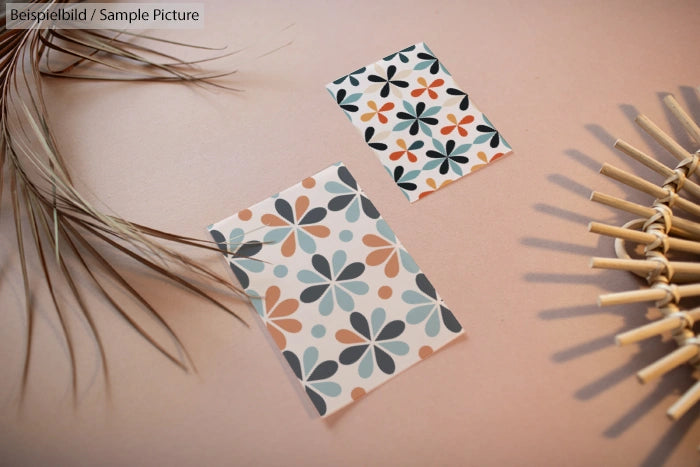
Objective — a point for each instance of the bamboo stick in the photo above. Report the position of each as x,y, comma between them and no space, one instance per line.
647,187
688,124
681,227
683,271
685,402
662,138
665,364
644,295
675,244
654,328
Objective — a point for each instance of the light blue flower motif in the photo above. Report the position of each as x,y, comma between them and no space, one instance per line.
387,250
418,117
313,376
430,60
346,102
240,254
448,157
349,197
332,285
430,308
370,345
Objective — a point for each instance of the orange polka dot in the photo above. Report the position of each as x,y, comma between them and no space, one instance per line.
245,215
357,393
425,351
308,182
385,292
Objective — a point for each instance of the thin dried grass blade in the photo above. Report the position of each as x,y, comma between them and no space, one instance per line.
31,214
29,309
127,286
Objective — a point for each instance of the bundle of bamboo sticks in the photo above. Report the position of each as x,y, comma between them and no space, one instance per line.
660,230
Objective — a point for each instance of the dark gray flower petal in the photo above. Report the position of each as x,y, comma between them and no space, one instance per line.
323,371
293,361
313,293
449,319
352,354
351,271
360,324
384,361
391,331
314,216
320,264
425,286
340,202
285,210
317,400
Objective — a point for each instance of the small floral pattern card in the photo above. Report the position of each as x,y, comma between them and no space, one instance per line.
342,299
419,122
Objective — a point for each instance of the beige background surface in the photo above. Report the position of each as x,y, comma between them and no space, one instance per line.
538,381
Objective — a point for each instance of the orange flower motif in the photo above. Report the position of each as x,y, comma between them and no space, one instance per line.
298,225
386,249
377,111
482,156
394,156
276,316
383,251
427,87
432,184
457,125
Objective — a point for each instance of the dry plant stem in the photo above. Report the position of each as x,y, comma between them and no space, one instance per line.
668,143
662,275
681,271
48,209
665,364
645,295
680,226
685,402
626,148
688,124
655,328
649,188
674,244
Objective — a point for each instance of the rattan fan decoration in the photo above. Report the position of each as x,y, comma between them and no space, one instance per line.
661,231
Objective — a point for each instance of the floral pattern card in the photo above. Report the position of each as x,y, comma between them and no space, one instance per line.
343,300
421,125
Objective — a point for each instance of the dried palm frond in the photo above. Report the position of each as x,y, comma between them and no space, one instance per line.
55,225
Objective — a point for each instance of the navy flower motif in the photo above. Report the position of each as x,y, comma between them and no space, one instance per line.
417,118
369,134
401,54
239,254
429,308
351,77
391,79
428,59
370,345
334,284
402,178
464,101
489,133
447,157
346,102
313,376
349,196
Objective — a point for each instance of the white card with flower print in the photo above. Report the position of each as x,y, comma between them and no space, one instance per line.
422,126
343,300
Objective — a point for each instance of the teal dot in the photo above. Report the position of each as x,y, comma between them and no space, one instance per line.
280,270
318,331
345,235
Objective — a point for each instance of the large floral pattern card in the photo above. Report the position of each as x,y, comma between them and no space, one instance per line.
421,125
343,300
